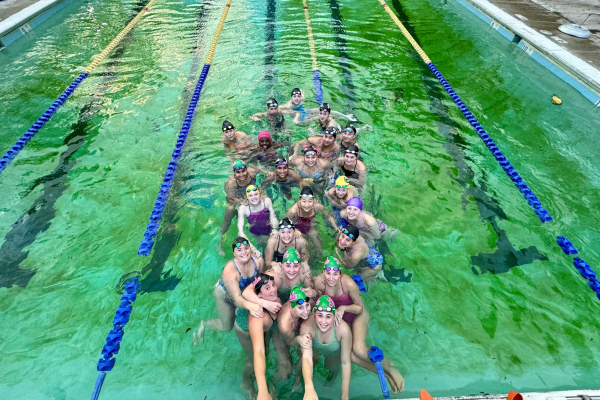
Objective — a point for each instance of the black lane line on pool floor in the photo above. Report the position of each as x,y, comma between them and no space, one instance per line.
155,279
506,256
271,73
37,218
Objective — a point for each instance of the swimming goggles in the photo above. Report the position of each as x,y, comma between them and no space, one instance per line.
254,189
227,128
334,269
239,168
279,162
308,153
349,130
307,195
301,301
292,262
341,186
321,308
272,104
352,152
345,232
263,279
245,243
286,227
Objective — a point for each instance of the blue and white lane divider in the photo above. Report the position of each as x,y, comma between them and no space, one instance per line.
531,198
114,337
163,195
41,121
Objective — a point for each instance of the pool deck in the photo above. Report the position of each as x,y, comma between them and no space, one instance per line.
562,395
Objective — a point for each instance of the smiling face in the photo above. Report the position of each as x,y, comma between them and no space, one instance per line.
344,241
332,277
273,111
353,212
350,158
282,171
291,270
241,174
324,320
347,136
253,197
328,139
310,158
242,253
301,310
341,192
268,291
296,99
286,235
230,134
307,203
264,143
323,115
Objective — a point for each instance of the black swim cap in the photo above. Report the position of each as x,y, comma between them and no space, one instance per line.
239,241
325,106
351,127
281,161
286,223
227,126
353,149
351,231
308,149
332,130
272,103
296,91
307,192
260,281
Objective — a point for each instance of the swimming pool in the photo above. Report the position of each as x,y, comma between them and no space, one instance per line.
479,299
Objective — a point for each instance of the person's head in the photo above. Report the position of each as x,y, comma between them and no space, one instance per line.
252,194
240,170
307,198
228,130
324,111
264,139
354,207
272,106
348,236
324,313
329,136
241,249
332,271
299,302
281,167
264,287
341,186
351,154
291,263
310,156
286,230
296,96
348,134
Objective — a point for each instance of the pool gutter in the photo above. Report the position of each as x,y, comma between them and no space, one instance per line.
560,395
561,62
20,24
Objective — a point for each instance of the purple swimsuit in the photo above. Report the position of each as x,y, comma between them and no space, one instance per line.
260,221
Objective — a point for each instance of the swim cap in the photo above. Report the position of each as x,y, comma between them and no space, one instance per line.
353,149
355,202
296,91
239,164
227,126
291,255
239,241
326,107
260,281
309,149
263,134
297,296
325,304
332,262
286,223
341,181
272,103
307,192
332,130
350,127
281,161
250,189
351,231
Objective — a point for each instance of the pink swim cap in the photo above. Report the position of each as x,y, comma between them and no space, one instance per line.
263,134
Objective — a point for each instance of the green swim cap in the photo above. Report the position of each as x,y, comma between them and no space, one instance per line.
332,262
237,164
292,256
325,304
297,296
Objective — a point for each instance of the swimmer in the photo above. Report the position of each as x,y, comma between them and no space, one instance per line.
325,121
258,208
303,214
284,178
234,141
311,168
274,115
357,255
370,227
304,117
323,334
339,195
235,193
326,145
266,151
235,277
287,237
354,169
292,271
349,306
250,331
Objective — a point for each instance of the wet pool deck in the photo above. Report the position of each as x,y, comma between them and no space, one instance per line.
11,7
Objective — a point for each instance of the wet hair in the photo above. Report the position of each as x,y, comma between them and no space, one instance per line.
308,149
332,130
353,149
286,222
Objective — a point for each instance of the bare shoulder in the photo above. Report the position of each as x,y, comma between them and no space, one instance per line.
343,330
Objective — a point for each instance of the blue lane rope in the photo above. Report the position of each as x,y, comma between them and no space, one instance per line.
41,121
531,198
318,86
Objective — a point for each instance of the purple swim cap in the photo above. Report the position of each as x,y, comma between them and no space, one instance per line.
355,202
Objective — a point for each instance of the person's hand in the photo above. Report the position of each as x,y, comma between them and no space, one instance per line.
256,310
256,253
305,341
256,119
310,394
339,314
276,266
296,120
263,395
275,233
272,306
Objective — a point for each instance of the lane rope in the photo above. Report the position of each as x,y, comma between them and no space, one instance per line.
41,121
165,188
313,55
565,244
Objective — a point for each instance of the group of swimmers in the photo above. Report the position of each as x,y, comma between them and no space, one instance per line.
268,292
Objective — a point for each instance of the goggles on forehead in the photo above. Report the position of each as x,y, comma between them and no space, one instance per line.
280,163
351,152
228,128
310,153
307,195
239,168
271,104
341,186
321,308
345,232
334,269
349,130
302,301
254,189
292,262
245,243
286,227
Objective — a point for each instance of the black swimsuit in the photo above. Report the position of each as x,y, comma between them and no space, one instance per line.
350,174
277,256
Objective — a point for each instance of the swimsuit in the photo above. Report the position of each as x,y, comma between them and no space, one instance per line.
373,258
342,300
240,191
242,146
301,110
332,349
244,282
259,221
303,224
277,256
241,318
310,178
350,174
277,123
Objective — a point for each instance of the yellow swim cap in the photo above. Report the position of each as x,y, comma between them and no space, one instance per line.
250,189
342,181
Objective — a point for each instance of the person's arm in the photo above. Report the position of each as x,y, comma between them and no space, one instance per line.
296,119
230,280
274,221
320,207
329,195
302,142
307,281
373,226
241,221
362,178
291,213
346,358
307,359
258,117
269,252
353,291
230,193
270,178
256,330
250,296
303,249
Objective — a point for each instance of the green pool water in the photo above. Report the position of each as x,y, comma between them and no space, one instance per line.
479,297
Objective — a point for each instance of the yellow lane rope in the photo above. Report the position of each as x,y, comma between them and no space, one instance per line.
311,41
213,46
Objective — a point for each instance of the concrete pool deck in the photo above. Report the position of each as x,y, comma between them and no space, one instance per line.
562,395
